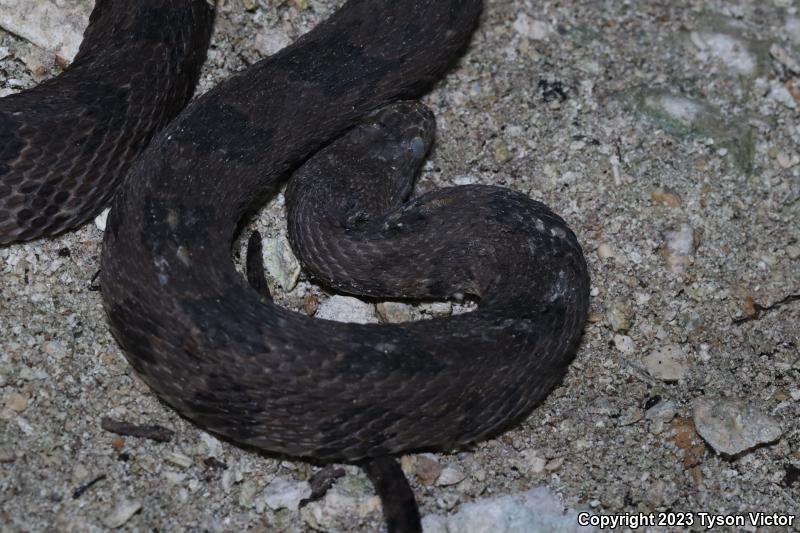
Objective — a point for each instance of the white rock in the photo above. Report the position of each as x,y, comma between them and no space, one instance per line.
605,251
534,461
122,513
664,411
437,308
792,27
619,316
732,51
731,427
281,265
667,363
270,41
347,309
213,445
681,109
247,494
285,494
175,478
450,476
784,58
54,349
395,312
100,220
537,30
780,94
25,426
624,344
53,25
787,161
328,514
464,179
178,459
680,245
536,511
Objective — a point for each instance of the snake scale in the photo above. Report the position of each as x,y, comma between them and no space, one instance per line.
334,103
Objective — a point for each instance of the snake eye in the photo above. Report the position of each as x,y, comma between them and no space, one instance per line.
417,147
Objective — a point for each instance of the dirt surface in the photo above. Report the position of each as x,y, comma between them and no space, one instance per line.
665,133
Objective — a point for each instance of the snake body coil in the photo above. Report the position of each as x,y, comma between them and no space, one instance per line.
66,144
232,361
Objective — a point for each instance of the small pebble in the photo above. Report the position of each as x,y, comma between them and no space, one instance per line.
427,468
786,160
284,494
605,251
347,309
784,58
464,179
280,263
437,308
395,312
554,464
122,513
270,41
247,494
666,197
54,349
100,220
659,415
502,154
780,94
450,476
619,316
178,459
667,363
536,30
630,416
680,245
16,402
310,304
732,427
731,50
534,461
624,344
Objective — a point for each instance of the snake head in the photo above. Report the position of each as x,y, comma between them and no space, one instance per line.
408,126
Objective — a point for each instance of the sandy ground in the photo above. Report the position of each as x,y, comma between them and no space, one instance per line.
665,133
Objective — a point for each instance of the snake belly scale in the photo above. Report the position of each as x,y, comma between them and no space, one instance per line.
229,359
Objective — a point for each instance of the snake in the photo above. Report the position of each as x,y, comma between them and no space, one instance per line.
336,113
66,144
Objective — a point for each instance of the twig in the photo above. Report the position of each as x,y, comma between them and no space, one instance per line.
321,482
83,488
758,309
152,432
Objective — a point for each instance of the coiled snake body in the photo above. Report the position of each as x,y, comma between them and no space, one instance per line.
66,144
232,361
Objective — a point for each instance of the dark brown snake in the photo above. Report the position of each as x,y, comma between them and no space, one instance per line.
223,354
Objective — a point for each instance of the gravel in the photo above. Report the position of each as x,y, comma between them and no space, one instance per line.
665,133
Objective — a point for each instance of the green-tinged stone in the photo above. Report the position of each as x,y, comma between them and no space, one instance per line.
687,117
